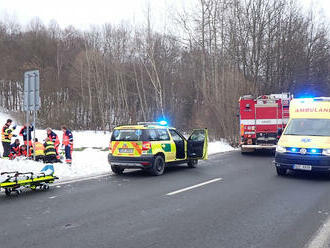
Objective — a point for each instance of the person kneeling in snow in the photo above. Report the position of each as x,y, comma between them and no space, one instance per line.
23,151
39,150
14,149
67,141
50,152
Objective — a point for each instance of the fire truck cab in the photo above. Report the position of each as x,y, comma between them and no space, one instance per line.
262,120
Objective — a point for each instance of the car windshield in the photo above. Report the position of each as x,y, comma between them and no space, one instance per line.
308,127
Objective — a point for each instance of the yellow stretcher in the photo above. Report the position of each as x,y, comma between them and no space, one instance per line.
15,181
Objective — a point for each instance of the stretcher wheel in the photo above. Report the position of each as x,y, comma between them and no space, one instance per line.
45,187
7,192
18,191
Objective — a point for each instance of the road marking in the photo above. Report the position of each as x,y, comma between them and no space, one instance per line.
52,197
321,238
81,179
194,186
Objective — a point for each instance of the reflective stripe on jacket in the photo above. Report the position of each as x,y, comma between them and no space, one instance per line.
49,148
6,134
39,149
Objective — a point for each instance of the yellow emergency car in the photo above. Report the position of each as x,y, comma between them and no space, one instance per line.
151,147
305,142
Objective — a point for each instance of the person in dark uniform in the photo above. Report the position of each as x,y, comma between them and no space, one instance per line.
50,151
6,135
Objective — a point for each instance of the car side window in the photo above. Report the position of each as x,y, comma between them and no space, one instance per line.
152,135
198,136
175,136
163,134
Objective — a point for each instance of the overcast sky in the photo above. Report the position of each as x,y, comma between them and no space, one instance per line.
83,13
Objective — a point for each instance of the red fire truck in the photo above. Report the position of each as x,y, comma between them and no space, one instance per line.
262,120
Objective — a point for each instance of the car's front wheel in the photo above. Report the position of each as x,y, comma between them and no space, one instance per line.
280,171
158,166
117,170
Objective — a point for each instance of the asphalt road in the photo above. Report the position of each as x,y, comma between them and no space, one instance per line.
249,207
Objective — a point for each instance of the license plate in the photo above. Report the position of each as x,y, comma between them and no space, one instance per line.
126,150
302,167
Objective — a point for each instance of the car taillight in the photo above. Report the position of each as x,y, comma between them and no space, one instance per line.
146,146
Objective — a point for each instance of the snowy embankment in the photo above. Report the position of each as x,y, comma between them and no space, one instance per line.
89,155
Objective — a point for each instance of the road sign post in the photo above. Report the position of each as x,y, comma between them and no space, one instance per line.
31,101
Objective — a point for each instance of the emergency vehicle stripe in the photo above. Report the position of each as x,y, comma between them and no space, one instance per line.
137,148
265,122
115,146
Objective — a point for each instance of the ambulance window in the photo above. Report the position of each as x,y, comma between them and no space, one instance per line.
152,135
175,136
127,135
163,134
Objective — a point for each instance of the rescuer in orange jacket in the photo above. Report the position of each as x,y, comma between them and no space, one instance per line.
39,150
54,138
67,141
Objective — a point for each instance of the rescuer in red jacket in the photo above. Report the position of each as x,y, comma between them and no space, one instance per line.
14,149
54,138
67,141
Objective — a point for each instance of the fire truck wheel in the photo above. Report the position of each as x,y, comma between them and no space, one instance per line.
281,171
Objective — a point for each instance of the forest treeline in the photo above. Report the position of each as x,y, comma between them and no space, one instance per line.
116,74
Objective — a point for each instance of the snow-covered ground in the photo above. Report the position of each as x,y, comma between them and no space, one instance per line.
89,160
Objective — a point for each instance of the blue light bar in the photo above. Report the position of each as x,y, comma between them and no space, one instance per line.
313,151
163,123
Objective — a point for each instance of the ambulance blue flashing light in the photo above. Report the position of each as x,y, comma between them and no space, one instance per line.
163,123
314,151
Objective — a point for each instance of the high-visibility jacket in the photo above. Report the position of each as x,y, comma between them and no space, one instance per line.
67,138
39,149
49,148
53,137
6,134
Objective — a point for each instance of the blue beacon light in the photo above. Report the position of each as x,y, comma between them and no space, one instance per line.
163,123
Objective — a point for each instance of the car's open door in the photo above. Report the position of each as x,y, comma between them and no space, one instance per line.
197,144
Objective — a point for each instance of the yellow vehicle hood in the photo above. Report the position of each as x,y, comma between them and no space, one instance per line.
304,141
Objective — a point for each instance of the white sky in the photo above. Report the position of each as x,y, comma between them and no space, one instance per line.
83,13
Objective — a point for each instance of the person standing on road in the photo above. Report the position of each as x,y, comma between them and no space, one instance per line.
54,138
67,141
6,135
26,133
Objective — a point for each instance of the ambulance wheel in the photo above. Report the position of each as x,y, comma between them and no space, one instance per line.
280,171
158,166
192,163
117,170
7,192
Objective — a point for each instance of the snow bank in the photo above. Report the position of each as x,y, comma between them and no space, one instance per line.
89,161
219,146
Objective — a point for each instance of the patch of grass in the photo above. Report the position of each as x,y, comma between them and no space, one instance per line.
80,149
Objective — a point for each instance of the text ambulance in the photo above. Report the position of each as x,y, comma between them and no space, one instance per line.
305,142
